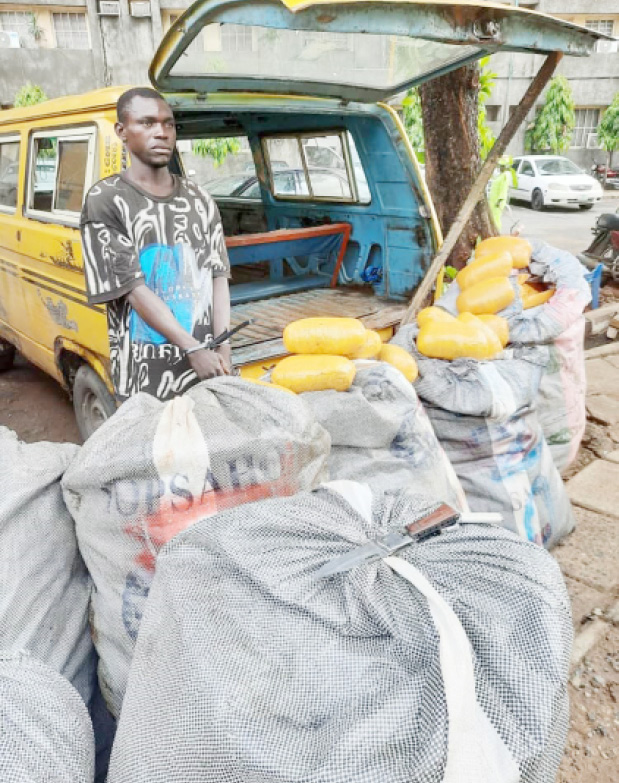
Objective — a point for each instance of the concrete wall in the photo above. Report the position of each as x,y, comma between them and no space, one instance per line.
58,71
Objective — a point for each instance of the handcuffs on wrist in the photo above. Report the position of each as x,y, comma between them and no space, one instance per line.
211,343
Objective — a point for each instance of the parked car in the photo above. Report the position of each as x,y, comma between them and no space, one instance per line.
551,180
289,182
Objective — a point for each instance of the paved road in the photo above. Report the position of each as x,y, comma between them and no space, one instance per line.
566,227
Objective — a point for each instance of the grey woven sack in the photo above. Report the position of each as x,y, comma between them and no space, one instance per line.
484,415
559,325
46,734
381,435
44,586
155,468
247,669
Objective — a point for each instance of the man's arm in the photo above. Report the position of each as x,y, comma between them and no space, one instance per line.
221,315
159,317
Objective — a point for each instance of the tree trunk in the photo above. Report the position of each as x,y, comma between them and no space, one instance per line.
450,107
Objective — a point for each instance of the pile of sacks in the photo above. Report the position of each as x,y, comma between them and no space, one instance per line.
557,324
190,533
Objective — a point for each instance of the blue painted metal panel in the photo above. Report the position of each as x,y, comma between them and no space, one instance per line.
389,235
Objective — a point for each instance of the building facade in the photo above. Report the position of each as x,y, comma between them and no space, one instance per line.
79,45
594,80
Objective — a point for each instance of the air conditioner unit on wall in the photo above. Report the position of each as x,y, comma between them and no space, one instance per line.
593,142
140,8
109,8
9,40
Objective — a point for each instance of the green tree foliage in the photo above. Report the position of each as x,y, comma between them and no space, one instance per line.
608,129
486,85
217,149
413,122
552,129
29,95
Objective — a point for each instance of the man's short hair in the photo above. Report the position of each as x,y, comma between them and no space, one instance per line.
123,106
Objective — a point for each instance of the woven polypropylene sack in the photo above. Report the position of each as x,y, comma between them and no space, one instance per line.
46,734
44,585
155,468
485,417
246,668
381,435
561,404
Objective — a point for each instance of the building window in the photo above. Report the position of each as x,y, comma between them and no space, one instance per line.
71,31
493,112
604,26
236,38
21,22
587,121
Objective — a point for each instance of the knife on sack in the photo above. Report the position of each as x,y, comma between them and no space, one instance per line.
432,524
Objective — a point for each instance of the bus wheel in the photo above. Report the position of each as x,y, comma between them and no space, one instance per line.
7,355
92,402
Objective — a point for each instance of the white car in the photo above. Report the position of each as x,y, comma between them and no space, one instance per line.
550,180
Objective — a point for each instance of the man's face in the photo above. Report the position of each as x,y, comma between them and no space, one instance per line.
149,131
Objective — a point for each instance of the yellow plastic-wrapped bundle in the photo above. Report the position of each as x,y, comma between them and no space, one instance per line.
443,341
370,348
330,336
533,297
487,297
432,315
400,359
499,326
488,266
312,372
493,343
269,385
519,249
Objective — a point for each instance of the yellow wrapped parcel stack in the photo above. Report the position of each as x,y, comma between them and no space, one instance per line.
323,350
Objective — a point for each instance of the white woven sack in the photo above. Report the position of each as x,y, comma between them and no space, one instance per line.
561,405
46,734
485,417
44,585
447,663
381,435
156,468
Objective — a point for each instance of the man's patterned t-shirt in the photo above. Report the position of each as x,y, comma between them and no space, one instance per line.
175,245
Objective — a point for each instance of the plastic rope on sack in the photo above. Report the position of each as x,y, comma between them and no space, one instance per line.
46,734
154,469
265,674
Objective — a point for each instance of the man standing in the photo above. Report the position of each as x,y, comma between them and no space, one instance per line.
154,252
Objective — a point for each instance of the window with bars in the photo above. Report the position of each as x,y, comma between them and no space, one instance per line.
71,30
20,22
236,38
604,26
587,121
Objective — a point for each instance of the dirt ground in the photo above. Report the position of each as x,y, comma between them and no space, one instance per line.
38,409
35,406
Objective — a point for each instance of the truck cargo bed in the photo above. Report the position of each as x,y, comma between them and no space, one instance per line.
262,339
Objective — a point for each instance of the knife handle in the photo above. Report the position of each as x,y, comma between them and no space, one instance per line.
426,526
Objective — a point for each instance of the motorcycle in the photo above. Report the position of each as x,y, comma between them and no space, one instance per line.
605,175
605,246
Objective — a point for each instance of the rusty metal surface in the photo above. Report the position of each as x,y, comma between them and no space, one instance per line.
262,339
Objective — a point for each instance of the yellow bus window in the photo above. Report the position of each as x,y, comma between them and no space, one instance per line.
9,171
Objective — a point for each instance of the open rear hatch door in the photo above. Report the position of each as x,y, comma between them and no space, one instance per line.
353,50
